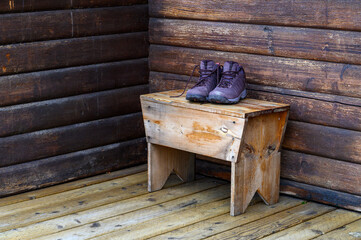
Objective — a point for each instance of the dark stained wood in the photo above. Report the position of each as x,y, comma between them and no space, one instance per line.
317,171
352,101
338,14
160,81
305,75
73,52
31,5
323,141
306,43
301,190
213,169
69,98
65,111
36,26
44,85
49,171
315,111
303,108
323,195
41,5
105,3
21,148
110,20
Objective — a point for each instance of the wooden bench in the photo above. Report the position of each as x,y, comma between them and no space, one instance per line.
247,134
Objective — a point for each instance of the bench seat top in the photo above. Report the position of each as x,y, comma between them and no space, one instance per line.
245,108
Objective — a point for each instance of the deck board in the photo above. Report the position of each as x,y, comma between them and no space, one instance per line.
118,206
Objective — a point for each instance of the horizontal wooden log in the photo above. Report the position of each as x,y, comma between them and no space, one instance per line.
315,111
50,171
338,14
44,85
303,107
160,81
323,195
301,190
305,75
65,111
37,26
41,5
323,172
73,52
323,141
52,142
352,101
306,43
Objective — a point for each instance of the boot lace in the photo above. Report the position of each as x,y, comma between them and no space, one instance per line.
205,75
227,78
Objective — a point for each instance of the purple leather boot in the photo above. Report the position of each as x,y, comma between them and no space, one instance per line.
209,76
232,86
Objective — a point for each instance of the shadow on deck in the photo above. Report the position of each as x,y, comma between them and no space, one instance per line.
118,206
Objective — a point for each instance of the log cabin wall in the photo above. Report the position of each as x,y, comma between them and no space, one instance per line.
305,53
71,72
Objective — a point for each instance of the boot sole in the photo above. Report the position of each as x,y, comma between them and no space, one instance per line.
224,100
196,98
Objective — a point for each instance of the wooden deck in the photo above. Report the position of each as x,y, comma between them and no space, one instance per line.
117,206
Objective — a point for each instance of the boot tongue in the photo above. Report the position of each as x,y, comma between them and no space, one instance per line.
207,65
230,66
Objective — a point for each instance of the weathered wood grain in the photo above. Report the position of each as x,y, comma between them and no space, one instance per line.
317,226
173,127
162,161
315,111
300,167
306,75
44,85
65,111
36,26
350,231
303,107
172,191
258,165
72,52
338,14
41,5
20,148
323,141
318,171
274,223
244,109
208,168
352,101
224,222
35,194
306,43
205,203
289,187
161,81
323,195
22,214
105,3
45,172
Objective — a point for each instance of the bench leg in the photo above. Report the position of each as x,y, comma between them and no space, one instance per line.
162,161
270,186
243,186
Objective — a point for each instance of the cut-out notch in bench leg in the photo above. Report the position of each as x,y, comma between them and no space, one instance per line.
162,161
